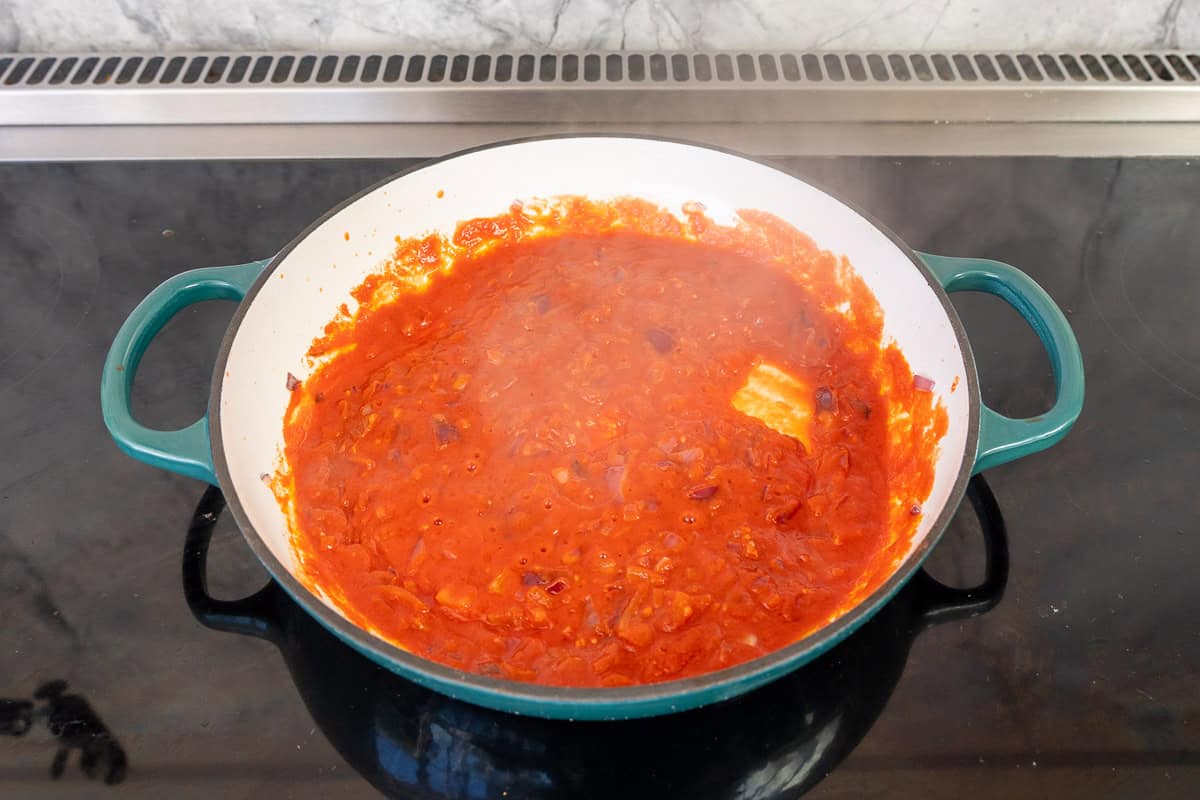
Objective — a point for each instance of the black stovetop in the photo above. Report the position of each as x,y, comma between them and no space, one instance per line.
1080,680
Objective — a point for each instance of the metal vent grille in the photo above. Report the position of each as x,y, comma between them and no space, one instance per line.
617,89
627,68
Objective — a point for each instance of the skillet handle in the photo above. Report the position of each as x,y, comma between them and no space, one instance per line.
185,451
1003,439
936,602
257,615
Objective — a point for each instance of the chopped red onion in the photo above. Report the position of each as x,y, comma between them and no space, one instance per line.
614,476
445,432
592,619
783,514
660,340
922,383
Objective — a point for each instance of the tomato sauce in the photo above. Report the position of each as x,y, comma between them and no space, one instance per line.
595,444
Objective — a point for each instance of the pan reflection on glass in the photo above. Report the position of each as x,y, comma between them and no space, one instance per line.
780,740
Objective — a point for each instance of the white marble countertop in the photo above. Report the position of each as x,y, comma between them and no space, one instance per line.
342,25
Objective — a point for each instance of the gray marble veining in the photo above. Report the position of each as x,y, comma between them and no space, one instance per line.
68,25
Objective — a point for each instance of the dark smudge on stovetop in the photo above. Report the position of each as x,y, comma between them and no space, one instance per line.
48,277
1148,303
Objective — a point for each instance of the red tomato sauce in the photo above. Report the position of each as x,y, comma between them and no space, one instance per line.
519,456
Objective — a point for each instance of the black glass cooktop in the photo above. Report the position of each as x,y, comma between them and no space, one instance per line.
1051,649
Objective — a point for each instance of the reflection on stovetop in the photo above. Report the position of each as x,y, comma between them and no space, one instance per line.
74,724
778,741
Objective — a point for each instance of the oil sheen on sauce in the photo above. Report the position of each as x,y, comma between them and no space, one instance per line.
592,443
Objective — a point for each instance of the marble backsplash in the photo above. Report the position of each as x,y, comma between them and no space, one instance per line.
339,25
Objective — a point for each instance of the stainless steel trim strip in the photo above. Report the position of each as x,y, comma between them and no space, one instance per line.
148,142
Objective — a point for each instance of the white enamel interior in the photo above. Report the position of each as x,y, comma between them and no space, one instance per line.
317,275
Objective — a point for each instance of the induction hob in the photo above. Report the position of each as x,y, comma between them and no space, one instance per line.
1069,671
